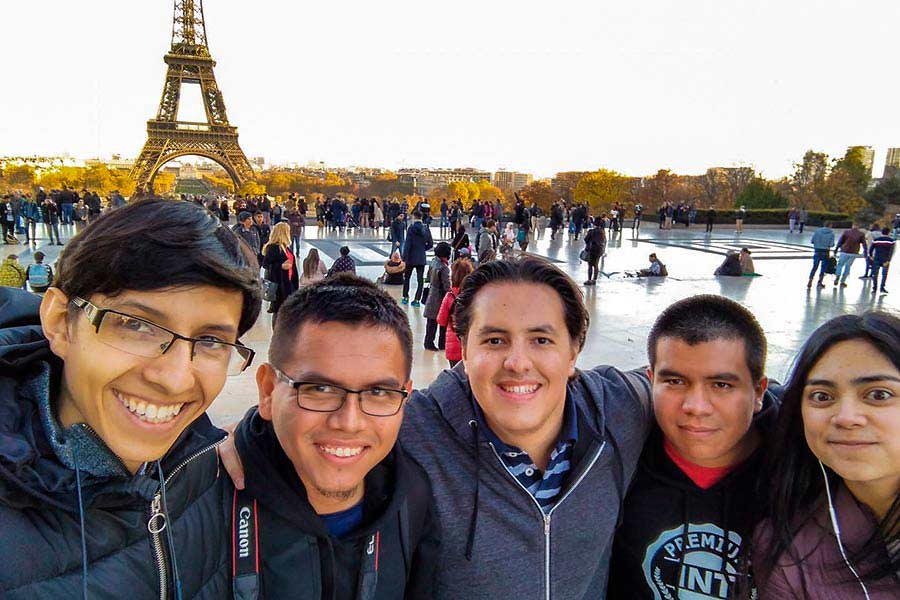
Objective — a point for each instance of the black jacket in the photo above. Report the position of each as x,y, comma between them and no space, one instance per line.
41,519
299,559
288,281
648,559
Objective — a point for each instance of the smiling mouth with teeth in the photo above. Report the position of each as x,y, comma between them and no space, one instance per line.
341,451
520,389
148,412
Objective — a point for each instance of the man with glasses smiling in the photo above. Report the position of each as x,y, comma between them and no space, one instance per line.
332,507
109,482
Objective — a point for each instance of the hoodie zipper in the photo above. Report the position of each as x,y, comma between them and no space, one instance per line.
547,517
157,522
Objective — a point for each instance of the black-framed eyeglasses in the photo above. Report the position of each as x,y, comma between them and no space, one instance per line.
320,396
141,337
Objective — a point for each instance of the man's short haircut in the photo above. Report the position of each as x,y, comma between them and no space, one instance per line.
342,298
345,251
524,269
417,214
157,244
885,231
38,256
706,318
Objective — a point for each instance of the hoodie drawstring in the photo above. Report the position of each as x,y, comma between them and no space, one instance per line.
686,518
170,542
84,565
473,521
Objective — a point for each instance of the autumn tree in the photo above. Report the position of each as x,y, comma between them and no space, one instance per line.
738,178
808,178
540,193
601,189
877,200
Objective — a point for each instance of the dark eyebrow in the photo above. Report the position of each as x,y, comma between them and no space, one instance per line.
157,314
825,382
312,376
874,379
713,377
488,329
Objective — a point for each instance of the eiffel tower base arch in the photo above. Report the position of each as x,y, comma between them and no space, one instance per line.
221,148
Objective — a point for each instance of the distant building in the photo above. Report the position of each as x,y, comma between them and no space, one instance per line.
868,157
258,161
564,183
425,181
892,163
511,180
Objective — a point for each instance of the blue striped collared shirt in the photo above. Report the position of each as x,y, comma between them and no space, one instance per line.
544,486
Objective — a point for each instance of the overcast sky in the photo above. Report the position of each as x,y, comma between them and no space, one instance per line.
524,85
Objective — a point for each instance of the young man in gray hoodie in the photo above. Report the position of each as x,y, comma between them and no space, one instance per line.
529,458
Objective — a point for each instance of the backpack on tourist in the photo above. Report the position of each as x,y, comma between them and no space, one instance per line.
39,276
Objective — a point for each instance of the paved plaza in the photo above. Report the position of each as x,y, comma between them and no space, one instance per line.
622,309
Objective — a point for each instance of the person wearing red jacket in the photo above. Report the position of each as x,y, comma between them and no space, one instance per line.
458,273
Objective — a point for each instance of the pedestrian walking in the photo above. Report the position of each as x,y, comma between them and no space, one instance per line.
438,286
881,251
848,244
418,242
822,242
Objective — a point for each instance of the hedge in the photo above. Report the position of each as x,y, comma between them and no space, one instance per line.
775,216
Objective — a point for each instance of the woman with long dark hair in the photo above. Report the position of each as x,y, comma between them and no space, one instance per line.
833,514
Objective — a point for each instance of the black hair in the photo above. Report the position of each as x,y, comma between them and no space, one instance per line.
342,298
524,269
345,251
443,250
155,244
795,484
705,318
39,256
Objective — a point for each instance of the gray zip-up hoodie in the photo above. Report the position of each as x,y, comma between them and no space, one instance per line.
497,543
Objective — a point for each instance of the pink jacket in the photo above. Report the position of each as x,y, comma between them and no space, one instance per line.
821,572
452,349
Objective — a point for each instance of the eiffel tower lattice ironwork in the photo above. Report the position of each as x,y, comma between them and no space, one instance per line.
189,61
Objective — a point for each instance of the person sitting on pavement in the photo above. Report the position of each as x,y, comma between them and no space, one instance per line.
730,267
747,267
108,471
394,268
344,264
11,272
327,488
656,269
713,409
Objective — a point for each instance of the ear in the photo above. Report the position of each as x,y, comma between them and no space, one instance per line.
650,375
54,321
573,359
265,385
759,392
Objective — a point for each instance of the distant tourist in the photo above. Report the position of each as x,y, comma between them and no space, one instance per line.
882,251
739,216
849,244
313,268
656,269
710,219
39,275
730,267
393,270
822,241
344,264
747,267
11,272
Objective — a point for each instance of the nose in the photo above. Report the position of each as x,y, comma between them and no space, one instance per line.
518,359
350,416
848,414
174,370
695,401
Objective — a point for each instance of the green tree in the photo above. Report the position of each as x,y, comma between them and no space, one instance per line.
759,193
877,200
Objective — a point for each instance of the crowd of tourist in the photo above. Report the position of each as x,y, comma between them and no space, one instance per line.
513,475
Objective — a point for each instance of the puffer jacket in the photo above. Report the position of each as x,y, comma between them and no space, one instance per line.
50,510
439,285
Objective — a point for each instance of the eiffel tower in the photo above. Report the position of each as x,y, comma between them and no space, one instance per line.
189,61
